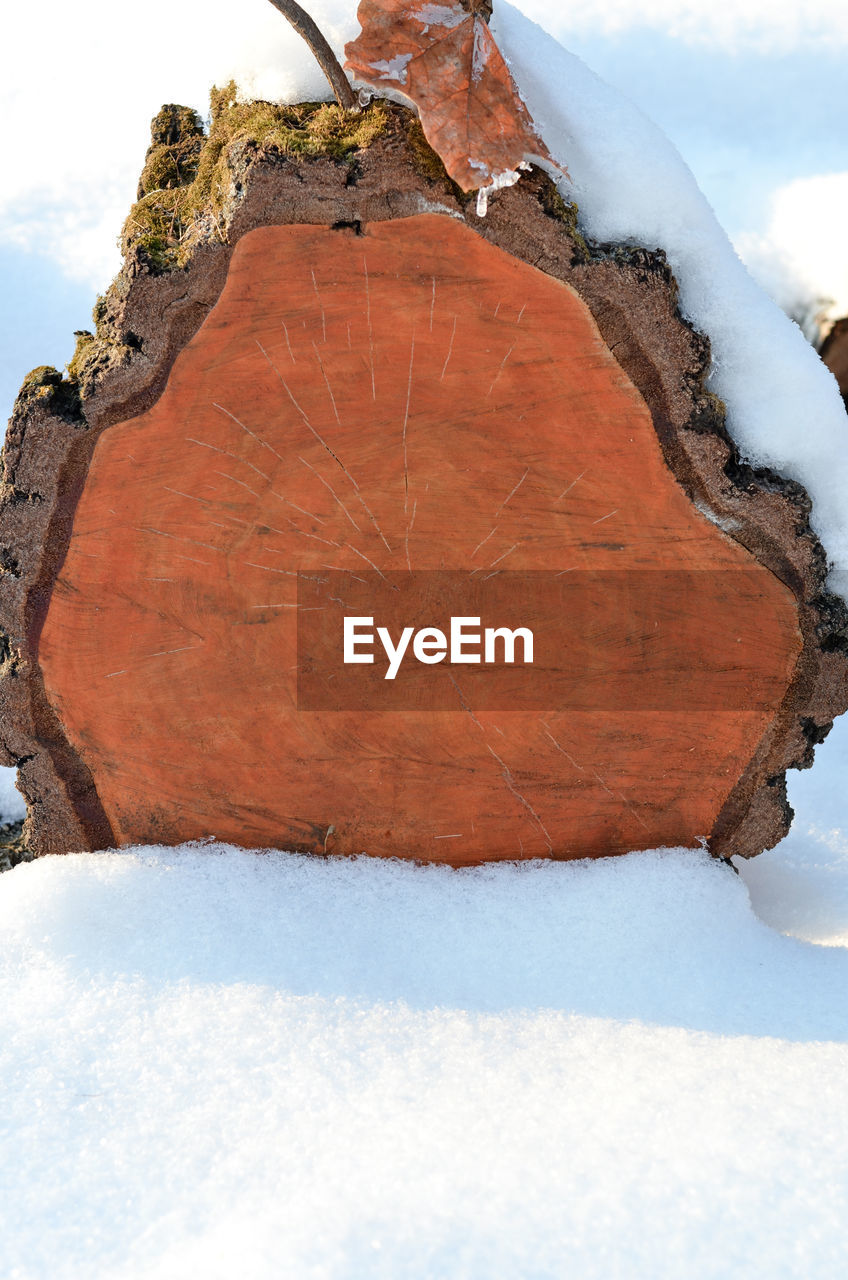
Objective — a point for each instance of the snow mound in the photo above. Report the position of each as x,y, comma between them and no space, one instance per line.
216,1063
801,887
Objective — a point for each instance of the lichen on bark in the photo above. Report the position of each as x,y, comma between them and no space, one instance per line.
186,185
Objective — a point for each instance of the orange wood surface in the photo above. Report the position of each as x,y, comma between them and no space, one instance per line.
410,398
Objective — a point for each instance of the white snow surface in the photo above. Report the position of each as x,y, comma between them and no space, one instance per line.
217,1063
787,264
784,408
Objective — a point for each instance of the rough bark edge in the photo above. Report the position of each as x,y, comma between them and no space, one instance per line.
148,316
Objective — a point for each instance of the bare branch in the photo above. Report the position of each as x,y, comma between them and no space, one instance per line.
326,59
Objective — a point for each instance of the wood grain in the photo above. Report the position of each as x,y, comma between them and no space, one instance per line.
411,397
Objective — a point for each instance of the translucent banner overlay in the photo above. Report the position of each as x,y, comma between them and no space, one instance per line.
611,640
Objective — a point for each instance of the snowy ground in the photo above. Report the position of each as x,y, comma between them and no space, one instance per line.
221,1064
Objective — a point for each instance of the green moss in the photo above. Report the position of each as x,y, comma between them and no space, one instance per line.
710,414
93,356
47,388
13,846
553,204
187,178
82,352
40,381
176,141
428,161
98,312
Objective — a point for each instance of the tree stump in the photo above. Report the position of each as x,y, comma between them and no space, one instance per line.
324,387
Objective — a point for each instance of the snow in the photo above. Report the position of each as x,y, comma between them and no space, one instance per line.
801,887
392,68
798,271
441,15
217,1063
222,1063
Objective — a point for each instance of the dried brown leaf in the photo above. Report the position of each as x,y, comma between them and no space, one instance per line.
441,55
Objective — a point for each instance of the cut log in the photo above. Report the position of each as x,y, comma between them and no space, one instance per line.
337,391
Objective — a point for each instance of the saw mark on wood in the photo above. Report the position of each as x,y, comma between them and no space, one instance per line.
194,560
514,547
288,343
337,569
367,560
512,493
405,425
464,703
510,782
327,485
324,443
327,384
190,496
561,748
176,537
483,543
289,573
320,304
225,475
450,349
253,435
603,784
370,328
501,369
409,531
570,487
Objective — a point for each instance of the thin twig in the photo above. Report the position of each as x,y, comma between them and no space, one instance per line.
326,59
